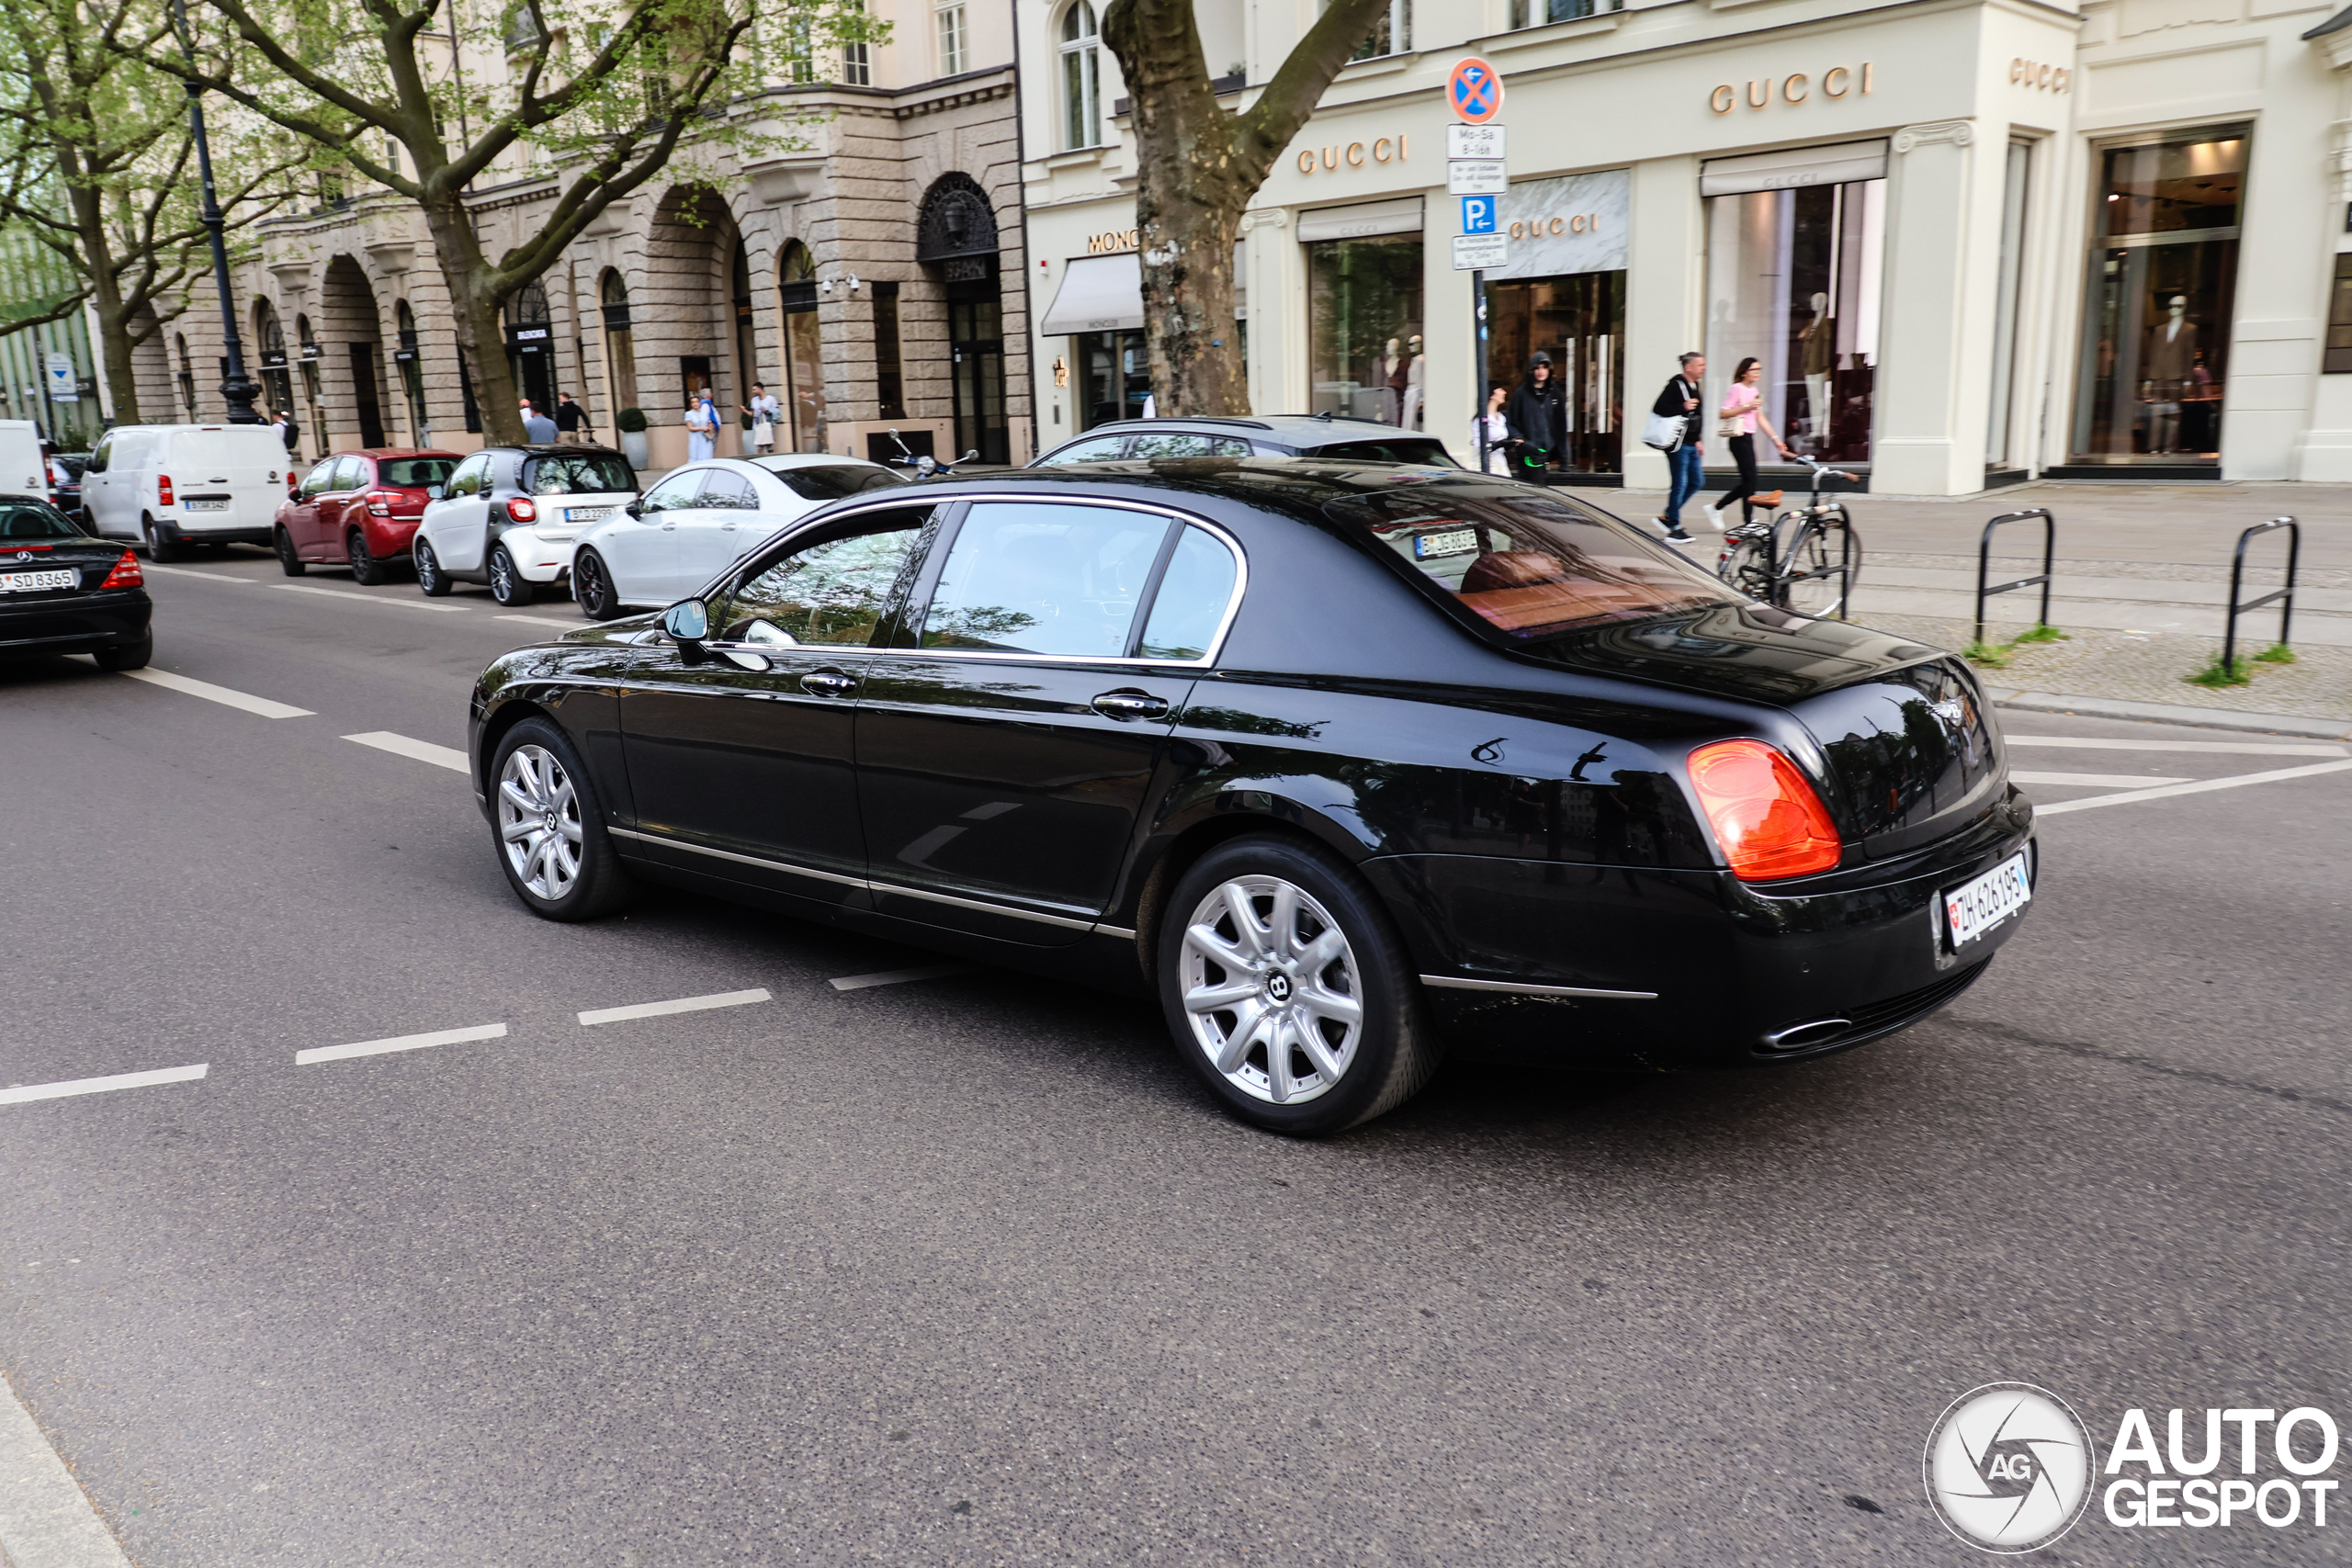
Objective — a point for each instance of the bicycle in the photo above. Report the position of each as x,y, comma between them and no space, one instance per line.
1804,560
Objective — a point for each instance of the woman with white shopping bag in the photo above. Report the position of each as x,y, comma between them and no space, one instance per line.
764,411
702,429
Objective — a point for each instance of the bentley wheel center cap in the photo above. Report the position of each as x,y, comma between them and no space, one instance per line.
1278,987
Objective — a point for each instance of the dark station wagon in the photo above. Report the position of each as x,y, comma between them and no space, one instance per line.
1347,764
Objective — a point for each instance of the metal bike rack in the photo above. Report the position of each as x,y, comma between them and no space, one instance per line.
2049,563
2284,598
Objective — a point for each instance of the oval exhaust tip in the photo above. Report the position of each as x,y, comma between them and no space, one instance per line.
1796,1037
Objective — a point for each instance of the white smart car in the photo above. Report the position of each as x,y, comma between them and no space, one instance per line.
699,518
510,517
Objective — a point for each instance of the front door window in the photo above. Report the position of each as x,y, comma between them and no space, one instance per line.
1579,320
2156,312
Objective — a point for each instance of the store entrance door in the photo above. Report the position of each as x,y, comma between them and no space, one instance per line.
976,340
1579,320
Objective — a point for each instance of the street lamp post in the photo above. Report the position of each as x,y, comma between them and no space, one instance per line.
237,389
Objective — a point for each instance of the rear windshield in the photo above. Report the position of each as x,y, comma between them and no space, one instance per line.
24,520
74,462
1428,453
415,473
830,482
586,473
1528,565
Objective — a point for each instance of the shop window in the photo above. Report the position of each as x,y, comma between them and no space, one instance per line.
949,20
2338,360
1113,376
804,350
411,373
1364,326
1794,280
620,345
1579,320
2156,308
187,378
1540,12
1082,77
530,345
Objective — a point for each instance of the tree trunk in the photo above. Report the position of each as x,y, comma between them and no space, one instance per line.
103,274
1198,167
114,347
476,315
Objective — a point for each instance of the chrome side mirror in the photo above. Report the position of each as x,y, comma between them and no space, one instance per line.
687,622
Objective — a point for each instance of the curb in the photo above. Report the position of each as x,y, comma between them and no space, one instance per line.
2169,713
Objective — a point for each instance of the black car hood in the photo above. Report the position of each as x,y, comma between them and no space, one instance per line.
1748,652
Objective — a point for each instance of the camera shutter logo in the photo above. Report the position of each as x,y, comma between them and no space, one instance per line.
2008,1467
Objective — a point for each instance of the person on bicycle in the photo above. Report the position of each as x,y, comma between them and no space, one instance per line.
1742,414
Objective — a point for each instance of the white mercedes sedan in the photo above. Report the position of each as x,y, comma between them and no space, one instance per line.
699,518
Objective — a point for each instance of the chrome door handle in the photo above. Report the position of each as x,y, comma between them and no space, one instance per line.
1130,705
667,526
827,684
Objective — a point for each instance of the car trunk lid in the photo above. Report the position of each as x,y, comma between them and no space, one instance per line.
1913,754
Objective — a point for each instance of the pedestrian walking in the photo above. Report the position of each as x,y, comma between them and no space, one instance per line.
1494,432
1685,467
572,421
764,411
702,428
1536,416
1740,417
537,428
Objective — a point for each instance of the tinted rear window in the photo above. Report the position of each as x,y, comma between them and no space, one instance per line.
587,473
20,521
830,482
1528,565
1427,453
415,473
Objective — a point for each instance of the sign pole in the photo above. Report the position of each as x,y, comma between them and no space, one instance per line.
1474,172
1478,384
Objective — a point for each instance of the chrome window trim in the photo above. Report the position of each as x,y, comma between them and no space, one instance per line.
869,885
1454,983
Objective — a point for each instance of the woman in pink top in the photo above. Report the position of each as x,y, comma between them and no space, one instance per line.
1743,415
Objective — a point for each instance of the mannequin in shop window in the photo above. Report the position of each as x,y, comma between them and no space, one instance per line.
2166,365
1416,384
1818,346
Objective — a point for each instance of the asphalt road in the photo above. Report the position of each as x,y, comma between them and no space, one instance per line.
969,1270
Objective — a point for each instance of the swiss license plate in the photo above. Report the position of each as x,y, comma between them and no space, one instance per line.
37,581
1974,907
586,514
1452,542
209,503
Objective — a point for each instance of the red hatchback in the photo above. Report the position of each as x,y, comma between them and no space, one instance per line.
360,508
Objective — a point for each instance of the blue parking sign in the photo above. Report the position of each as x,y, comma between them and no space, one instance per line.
1478,214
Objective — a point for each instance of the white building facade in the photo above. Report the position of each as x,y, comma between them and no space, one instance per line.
1969,241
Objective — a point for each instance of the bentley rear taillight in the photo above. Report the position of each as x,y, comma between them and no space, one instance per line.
126,574
1769,820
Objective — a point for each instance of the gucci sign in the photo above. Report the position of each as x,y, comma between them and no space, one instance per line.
1387,150
1575,224
2046,78
1834,82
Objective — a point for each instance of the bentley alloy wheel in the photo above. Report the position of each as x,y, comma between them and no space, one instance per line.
1271,988
538,822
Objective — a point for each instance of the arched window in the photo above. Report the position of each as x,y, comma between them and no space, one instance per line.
803,392
1081,76
188,374
276,381
620,349
412,365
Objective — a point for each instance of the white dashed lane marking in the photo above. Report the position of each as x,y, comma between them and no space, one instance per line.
23,1093
191,572
222,694
900,976
2199,787
400,1042
544,621
2111,781
2231,748
421,750
395,603
682,1004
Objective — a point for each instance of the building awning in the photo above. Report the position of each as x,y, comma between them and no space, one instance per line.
1837,164
1362,221
1104,294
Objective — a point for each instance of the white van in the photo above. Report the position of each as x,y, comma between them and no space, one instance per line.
176,485
23,470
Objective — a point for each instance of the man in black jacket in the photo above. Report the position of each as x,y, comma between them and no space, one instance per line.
1536,417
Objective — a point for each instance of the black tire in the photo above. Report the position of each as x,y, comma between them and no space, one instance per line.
508,586
288,557
602,883
126,655
1819,546
161,548
592,584
431,580
365,569
1394,1047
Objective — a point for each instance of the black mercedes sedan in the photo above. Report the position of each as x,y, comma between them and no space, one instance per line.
1347,764
63,592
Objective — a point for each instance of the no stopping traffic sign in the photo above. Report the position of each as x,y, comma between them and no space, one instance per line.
1473,91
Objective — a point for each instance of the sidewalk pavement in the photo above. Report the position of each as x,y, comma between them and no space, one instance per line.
2142,576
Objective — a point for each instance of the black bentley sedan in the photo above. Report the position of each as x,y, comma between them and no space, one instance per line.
63,592
1347,764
